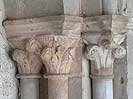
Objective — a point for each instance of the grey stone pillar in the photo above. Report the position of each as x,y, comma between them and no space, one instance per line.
58,88
29,88
102,88
102,60
103,39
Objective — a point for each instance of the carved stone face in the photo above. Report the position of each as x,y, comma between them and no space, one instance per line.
118,38
105,40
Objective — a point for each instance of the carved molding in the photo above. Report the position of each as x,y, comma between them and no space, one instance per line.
66,25
62,24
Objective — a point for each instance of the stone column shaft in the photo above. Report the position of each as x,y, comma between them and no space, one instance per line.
58,88
102,89
29,88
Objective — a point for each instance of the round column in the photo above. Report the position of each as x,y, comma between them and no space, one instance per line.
57,87
102,87
58,58
102,59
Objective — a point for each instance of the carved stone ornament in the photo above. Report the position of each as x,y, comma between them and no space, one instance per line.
59,54
29,61
103,58
104,53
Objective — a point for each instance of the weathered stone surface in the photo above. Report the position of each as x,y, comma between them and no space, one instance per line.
58,57
65,25
59,54
29,65
130,62
91,7
115,7
8,82
29,60
32,8
104,51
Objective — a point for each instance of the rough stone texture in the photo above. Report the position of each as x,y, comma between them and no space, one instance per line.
37,8
91,7
62,24
8,82
18,9
120,77
29,89
115,7
130,63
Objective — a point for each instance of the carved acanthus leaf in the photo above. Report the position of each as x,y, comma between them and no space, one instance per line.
29,60
58,55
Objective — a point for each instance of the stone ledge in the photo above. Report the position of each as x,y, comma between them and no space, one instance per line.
66,25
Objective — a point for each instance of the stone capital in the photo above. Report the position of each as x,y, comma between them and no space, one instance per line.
109,29
56,53
28,58
59,53
102,59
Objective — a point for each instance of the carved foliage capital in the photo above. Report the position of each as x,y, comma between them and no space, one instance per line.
103,58
59,54
28,60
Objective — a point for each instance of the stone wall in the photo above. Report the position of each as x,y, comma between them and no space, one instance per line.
8,82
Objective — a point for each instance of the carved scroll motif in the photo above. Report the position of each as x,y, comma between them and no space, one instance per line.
105,57
104,53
